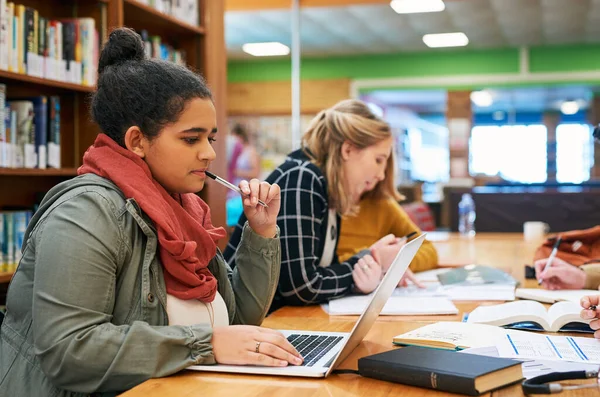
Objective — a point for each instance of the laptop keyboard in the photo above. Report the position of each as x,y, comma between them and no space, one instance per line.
313,347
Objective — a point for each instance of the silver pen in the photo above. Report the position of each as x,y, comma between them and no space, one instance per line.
231,186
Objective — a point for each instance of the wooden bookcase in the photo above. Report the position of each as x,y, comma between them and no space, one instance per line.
205,50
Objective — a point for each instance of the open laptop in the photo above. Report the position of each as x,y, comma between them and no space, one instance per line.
323,351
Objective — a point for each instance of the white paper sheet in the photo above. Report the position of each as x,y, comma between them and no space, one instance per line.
533,368
355,304
528,345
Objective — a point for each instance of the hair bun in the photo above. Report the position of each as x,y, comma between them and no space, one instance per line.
123,45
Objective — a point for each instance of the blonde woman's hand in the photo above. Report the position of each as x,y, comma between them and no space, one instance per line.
251,345
263,220
366,274
591,311
384,251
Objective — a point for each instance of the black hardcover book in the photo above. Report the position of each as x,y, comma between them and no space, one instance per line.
442,370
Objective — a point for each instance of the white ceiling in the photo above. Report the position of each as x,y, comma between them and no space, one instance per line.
378,29
522,99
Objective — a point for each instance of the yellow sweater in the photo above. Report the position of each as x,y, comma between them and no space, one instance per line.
378,218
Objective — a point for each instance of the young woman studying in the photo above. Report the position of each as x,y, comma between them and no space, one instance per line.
121,279
346,151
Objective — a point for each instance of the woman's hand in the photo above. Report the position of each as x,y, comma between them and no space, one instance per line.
263,220
384,251
409,275
250,345
591,310
366,274
560,275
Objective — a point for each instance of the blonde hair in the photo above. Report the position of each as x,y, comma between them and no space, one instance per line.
350,120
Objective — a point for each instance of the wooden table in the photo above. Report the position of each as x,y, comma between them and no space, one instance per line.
508,251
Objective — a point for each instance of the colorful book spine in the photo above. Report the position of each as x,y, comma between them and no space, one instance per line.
54,132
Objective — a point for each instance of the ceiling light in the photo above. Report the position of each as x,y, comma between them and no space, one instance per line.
266,49
569,107
416,6
482,99
457,39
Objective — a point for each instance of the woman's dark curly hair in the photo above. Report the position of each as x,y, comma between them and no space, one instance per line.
136,91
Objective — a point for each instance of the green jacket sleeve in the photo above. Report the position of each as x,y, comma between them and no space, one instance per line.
78,248
255,277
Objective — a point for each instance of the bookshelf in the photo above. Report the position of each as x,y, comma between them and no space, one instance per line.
204,46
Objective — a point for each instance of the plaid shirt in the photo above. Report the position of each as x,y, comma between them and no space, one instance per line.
302,222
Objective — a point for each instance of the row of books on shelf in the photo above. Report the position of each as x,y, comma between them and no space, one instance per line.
12,230
185,10
155,48
64,50
30,133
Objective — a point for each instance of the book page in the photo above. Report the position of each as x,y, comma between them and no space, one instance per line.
356,304
565,312
510,313
453,335
529,345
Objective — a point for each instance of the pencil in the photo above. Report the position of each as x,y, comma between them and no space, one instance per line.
552,256
231,186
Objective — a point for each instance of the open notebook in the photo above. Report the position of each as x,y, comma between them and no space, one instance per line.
452,336
533,316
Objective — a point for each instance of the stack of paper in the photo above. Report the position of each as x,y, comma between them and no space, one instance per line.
356,304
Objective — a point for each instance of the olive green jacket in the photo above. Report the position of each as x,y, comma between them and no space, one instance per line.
86,309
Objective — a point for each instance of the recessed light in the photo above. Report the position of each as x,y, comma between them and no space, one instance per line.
268,49
482,99
456,39
417,6
569,107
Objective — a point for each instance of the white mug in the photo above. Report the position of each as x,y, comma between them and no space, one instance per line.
535,230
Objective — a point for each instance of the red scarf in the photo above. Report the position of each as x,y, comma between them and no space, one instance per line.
186,237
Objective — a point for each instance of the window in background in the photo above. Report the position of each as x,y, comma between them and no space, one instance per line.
429,155
516,153
574,153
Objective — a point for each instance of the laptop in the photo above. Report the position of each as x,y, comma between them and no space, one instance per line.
323,351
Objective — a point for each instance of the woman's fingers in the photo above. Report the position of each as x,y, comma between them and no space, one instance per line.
277,352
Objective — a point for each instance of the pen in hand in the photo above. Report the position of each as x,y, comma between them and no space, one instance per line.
231,186
551,258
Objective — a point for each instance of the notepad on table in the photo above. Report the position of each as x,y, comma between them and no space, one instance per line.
533,316
452,336
546,296
396,305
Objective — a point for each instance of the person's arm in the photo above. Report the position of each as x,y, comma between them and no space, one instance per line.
79,248
401,225
592,276
255,279
303,211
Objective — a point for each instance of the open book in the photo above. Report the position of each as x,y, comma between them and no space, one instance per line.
452,336
531,315
546,296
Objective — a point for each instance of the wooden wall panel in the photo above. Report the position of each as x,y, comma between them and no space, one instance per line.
274,97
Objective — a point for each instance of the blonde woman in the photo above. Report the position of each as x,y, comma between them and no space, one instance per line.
346,151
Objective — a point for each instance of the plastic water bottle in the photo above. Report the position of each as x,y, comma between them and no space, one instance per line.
466,216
